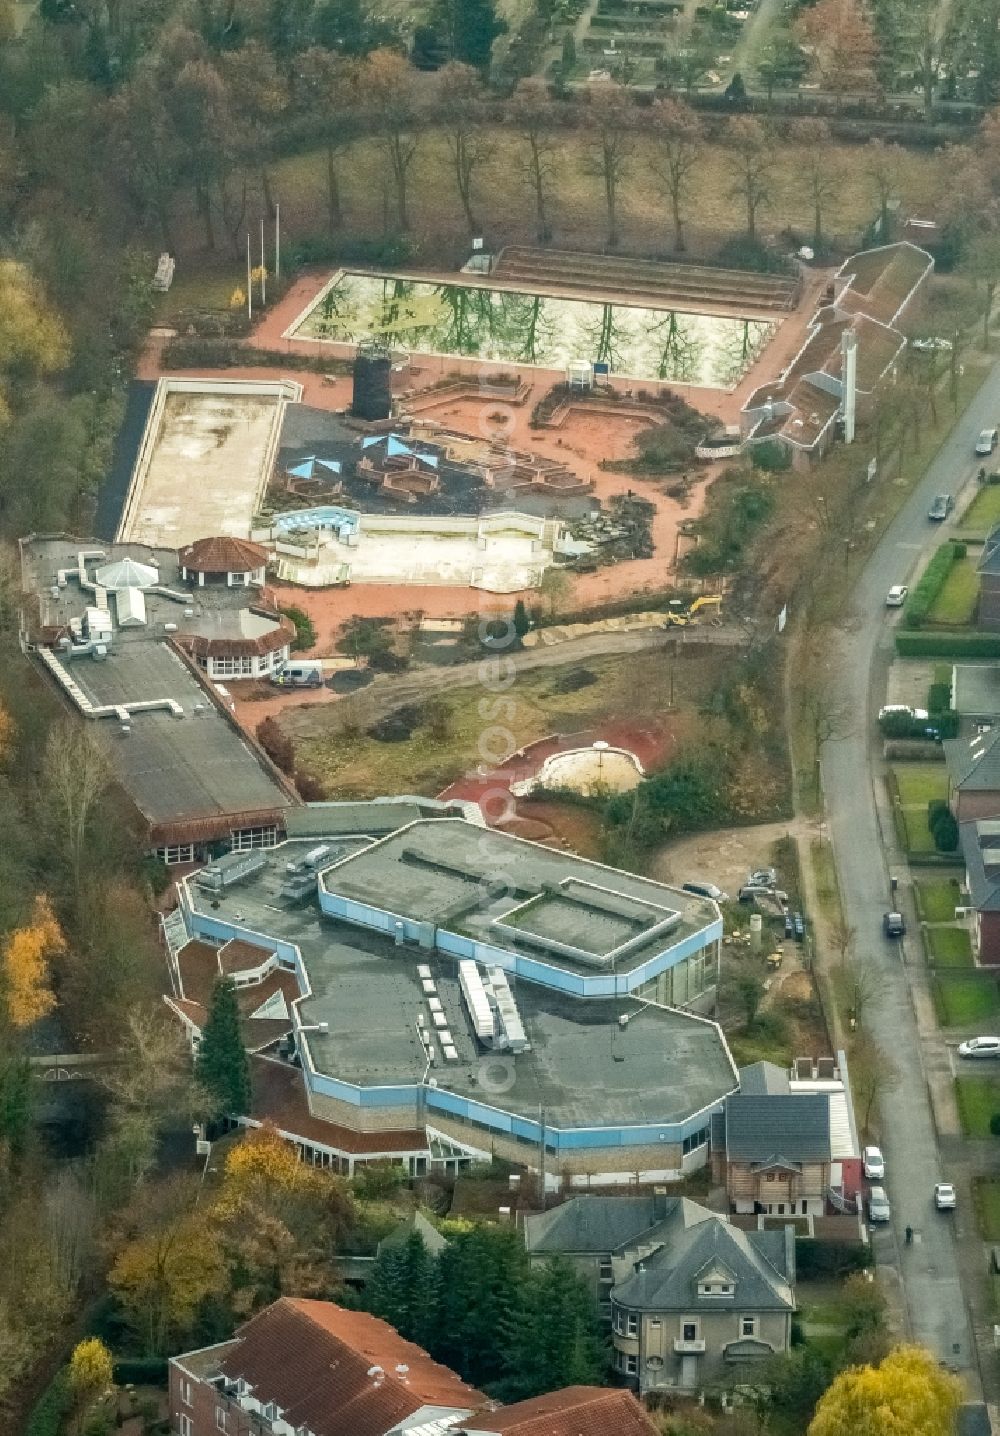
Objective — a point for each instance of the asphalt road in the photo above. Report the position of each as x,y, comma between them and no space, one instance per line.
865,851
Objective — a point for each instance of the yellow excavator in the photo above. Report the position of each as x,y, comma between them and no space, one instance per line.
681,618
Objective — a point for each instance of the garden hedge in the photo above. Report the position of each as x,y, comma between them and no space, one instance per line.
921,598
141,1371
815,1256
51,1408
910,644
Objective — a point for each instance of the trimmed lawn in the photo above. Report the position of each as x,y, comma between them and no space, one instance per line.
918,783
984,511
949,946
936,900
964,999
978,1099
956,604
986,1195
919,838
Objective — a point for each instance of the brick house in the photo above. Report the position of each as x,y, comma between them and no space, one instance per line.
786,1144
974,775
981,852
311,1368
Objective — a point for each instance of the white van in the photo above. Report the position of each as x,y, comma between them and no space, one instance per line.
300,673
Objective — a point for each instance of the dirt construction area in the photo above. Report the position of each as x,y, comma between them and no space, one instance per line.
725,857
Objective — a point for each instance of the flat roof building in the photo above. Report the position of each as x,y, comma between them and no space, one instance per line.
511,997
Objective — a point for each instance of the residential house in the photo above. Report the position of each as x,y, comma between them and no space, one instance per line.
980,843
603,1236
707,1303
865,303
689,1296
973,765
311,1368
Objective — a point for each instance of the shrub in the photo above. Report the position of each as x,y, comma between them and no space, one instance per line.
772,457
921,598
939,698
305,630
817,1258
995,1125
141,1371
276,744
51,1408
326,249
910,644
944,829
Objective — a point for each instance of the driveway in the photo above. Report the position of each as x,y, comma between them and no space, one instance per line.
864,841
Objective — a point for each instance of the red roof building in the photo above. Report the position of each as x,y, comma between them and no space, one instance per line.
312,1366
235,562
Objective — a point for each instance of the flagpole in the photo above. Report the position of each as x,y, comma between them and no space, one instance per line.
263,266
277,241
249,282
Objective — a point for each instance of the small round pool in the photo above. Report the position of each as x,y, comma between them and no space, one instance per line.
599,768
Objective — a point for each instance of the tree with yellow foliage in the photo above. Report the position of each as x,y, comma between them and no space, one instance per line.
162,1277
280,1221
91,1376
907,1392
33,340
26,957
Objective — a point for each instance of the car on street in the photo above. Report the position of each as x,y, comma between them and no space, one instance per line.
878,1205
941,507
874,1164
789,925
799,926
980,1047
893,924
896,596
706,890
987,441
920,714
944,1197
931,345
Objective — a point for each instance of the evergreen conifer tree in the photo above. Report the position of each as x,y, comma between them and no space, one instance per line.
222,1065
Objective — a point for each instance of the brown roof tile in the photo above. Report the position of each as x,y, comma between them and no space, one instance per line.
313,1359
574,1411
198,965
279,1097
239,956
222,555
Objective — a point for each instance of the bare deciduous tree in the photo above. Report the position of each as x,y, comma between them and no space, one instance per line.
873,1076
609,118
76,774
820,170
461,94
531,113
751,155
679,141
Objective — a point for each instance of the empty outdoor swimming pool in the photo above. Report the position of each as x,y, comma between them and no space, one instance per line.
541,330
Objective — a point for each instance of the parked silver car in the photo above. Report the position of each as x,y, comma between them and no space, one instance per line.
878,1205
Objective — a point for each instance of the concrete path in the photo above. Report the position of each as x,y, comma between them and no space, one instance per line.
921,1109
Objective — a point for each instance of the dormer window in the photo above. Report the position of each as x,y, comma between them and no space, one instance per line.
716,1286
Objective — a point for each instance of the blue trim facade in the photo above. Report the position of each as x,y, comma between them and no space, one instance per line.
531,969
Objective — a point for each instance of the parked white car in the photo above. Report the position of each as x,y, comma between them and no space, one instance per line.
878,1205
944,1197
874,1164
980,1047
896,596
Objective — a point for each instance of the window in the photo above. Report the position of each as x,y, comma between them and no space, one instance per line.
184,1425
689,1331
221,1419
631,1365
631,1324
605,1269
696,1140
270,1411
604,1308
715,1287
246,838
176,853
231,667
185,1389
748,1326
772,1176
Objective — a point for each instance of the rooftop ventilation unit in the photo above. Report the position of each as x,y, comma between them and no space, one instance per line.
439,1020
515,1037
434,1003
471,982
450,1054
423,971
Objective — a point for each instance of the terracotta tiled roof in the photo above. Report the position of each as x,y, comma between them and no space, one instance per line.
279,1097
222,555
313,1360
198,965
239,956
574,1411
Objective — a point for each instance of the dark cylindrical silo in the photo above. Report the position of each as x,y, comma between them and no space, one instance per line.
372,383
